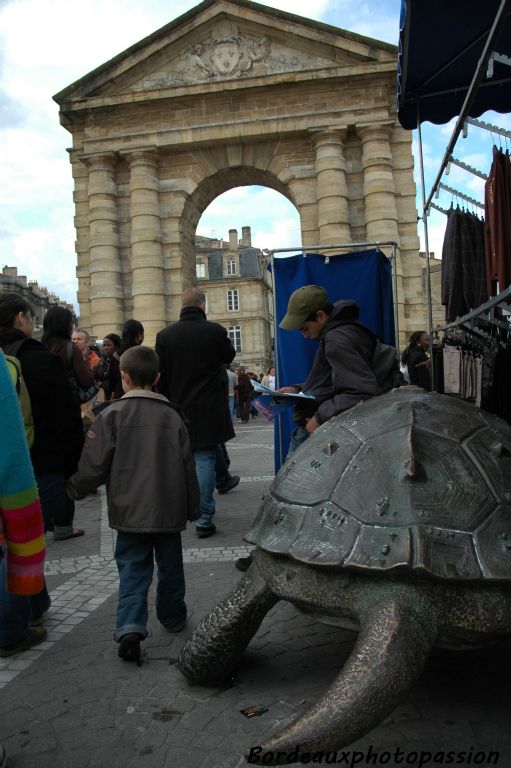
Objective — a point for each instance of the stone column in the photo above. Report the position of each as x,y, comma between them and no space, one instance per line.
332,189
148,288
379,187
381,217
106,294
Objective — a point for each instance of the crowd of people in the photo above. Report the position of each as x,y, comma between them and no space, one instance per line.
174,408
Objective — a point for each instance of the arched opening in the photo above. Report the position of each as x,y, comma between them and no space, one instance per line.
230,262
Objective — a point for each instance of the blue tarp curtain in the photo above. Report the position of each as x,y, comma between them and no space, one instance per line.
440,44
365,276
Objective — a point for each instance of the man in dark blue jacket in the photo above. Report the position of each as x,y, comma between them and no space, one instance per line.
193,354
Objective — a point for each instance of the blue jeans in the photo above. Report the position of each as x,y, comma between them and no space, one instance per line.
135,554
222,462
205,462
58,509
298,436
15,612
232,408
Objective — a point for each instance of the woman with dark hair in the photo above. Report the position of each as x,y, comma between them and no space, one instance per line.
108,372
132,335
58,433
415,358
57,330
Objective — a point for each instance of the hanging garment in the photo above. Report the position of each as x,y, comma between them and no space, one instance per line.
497,199
473,262
452,371
487,377
451,275
437,353
479,373
463,273
501,385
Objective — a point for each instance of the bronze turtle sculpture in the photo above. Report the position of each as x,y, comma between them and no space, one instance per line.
393,518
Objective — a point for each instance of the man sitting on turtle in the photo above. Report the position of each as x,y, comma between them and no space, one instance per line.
341,375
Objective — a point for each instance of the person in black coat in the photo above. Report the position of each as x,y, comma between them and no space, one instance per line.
58,432
415,358
193,353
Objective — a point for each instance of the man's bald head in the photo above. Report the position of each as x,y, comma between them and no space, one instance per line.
192,297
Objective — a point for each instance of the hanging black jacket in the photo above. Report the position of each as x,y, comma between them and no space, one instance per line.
193,353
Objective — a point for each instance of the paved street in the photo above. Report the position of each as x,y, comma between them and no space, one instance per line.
70,702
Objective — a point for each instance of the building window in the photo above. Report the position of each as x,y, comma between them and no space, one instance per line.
200,269
234,334
233,301
231,267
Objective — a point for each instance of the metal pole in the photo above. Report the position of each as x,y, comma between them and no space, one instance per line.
394,282
340,246
278,425
426,245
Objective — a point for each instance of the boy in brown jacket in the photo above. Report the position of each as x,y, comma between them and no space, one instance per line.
139,446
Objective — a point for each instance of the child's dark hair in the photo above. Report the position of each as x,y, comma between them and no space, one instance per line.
142,364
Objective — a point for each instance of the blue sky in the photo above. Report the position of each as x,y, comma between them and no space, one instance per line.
45,45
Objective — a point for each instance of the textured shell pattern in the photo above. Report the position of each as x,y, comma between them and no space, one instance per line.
409,481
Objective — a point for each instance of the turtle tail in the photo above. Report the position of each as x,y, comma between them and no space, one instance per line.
395,640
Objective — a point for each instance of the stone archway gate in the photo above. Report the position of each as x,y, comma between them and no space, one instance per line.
229,94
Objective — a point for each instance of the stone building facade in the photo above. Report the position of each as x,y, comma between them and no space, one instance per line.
40,298
233,93
239,293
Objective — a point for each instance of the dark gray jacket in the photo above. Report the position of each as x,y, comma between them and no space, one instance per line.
140,447
341,375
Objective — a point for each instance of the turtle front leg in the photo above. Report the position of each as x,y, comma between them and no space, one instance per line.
215,648
396,636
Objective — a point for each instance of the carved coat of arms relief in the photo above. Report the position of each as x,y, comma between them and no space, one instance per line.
227,53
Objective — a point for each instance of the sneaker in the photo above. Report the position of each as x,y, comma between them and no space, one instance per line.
129,647
233,481
203,533
243,563
36,635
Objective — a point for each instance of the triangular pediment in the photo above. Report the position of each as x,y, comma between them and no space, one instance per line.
222,40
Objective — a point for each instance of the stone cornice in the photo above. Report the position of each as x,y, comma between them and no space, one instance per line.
72,108
258,129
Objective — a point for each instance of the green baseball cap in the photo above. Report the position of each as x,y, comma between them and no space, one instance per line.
302,303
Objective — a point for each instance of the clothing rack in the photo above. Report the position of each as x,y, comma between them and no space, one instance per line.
498,23
465,166
484,312
489,127
462,195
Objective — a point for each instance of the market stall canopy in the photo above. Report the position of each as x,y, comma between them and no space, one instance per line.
440,45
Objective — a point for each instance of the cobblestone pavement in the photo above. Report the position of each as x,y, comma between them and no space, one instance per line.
71,702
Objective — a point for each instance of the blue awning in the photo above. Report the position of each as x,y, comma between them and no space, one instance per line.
440,44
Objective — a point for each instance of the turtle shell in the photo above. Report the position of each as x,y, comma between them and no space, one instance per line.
411,480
